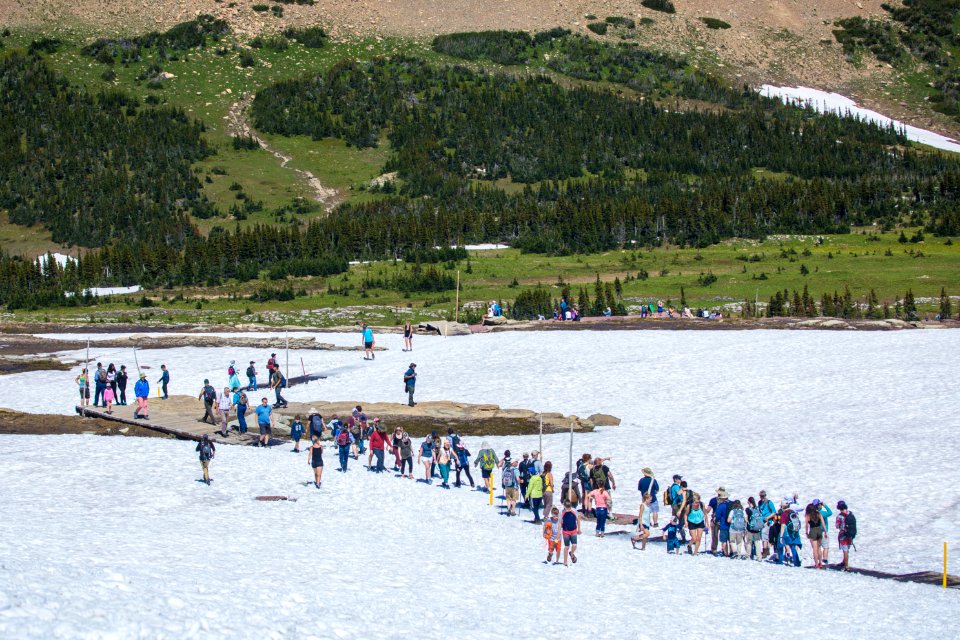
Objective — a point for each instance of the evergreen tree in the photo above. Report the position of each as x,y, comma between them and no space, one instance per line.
583,300
946,308
909,307
683,297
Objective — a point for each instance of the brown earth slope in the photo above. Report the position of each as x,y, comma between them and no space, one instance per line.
775,41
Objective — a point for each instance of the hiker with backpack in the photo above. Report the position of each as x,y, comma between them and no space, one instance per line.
141,392
207,451
583,475
208,395
534,495
233,376
570,529
278,382
406,456
410,383
251,377
548,487
696,523
673,496
315,423
100,384
813,523
648,485
315,460
241,404
570,490
510,482
224,403
737,524
463,462
720,531
487,461
378,444
523,475
425,457
344,441
846,532
768,512
789,534
754,529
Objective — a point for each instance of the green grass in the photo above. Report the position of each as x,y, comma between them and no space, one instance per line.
857,261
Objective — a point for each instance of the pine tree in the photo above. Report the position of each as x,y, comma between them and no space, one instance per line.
826,306
618,287
598,297
796,307
909,307
683,297
583,300
946,308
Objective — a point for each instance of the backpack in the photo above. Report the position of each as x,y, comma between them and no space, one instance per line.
850,526
666,498
509,477
738,522
793,524
243,399
343,438
454,441
283,381
250,372
525,471
102,375
599,477
206,450
209,395
486,460
583,473
755,524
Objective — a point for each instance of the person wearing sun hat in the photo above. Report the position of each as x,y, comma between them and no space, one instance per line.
718,506
648,485
315,423
141,391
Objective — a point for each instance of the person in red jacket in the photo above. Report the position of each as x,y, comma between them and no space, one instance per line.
378,440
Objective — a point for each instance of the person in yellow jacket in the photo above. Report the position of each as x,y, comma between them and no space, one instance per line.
534,495
547,488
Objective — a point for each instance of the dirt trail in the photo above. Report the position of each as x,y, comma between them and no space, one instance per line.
237,125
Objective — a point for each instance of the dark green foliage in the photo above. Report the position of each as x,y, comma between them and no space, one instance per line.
436,255
599,28
880,38
666,6
196,33
705,280
93,168
277,11
531,304
620,21
248,143
311,37
260,8
909,307
247,59
715,23
274,43
502,47
946,307
45,45
417,279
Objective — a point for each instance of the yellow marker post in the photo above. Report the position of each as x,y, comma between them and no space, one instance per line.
944,565
490,488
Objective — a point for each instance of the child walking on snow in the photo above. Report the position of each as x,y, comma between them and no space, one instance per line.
551,533
672,535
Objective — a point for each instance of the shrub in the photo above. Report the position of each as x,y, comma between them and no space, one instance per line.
247,59
503,47
532,303
311,37
620,21
666,6
260,8
715,23
599,28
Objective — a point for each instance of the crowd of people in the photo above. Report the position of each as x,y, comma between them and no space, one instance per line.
109,385
753,528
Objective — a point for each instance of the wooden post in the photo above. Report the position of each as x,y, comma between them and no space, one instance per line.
456,316
570,491
541,439
137,361
286,337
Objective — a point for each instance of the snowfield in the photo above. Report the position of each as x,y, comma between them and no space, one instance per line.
113,537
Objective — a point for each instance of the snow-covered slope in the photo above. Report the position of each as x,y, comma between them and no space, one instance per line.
115,538
871,418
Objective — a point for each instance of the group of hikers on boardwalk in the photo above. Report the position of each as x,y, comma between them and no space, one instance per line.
110,388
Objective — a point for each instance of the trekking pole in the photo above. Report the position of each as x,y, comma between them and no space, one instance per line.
136,360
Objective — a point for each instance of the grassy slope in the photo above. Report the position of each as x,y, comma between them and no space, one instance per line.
201,87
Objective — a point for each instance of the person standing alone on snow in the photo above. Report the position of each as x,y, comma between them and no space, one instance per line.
164,380
367,338
207,451
410,383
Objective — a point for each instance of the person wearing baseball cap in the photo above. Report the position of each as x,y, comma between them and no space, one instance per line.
410,383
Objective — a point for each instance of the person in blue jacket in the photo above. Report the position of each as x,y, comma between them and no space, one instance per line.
648,485
344,439
142,392
826,512
296,432
164,380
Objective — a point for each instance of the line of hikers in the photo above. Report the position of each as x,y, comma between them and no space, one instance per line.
754,529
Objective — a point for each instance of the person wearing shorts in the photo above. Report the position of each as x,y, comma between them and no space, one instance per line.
487,460
570,526
264,422
367,342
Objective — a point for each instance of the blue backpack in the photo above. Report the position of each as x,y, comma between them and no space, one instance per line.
509,477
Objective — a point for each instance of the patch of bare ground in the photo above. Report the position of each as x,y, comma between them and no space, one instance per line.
14,422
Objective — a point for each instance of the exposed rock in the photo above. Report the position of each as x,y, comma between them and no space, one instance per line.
604,420
445,328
